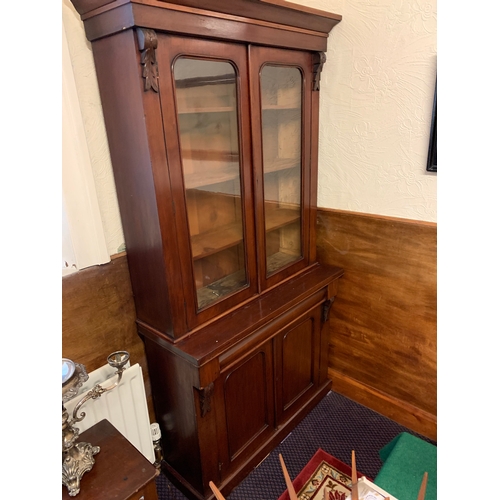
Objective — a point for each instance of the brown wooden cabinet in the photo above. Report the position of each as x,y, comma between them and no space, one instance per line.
211,111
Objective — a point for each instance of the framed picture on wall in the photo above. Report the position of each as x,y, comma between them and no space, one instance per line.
432,154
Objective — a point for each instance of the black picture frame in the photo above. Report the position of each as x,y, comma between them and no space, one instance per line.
432,153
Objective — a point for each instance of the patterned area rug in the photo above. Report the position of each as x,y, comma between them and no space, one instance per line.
337,425
323,478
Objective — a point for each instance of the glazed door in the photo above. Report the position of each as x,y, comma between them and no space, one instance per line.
205,106
281,87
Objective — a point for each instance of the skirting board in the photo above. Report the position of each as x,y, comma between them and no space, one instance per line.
405,414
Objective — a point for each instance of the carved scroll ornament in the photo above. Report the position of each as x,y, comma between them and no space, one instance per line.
148,44
325,313
206,394
319,61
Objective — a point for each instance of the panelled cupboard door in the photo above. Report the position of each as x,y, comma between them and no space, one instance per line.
281,103
297,359
246,417
205,107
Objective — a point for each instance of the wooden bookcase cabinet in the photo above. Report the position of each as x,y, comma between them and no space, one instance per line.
211,112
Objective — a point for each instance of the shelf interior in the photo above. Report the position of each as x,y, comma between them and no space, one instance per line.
211,242
211,293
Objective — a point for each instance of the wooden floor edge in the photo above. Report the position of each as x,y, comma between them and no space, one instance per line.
400,411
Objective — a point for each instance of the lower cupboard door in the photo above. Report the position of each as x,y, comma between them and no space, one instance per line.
248,419
297,364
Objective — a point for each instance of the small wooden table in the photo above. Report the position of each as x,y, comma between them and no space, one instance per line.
120,471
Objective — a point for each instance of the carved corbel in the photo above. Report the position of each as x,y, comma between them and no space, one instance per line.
206,394
319,60
148,43
325,313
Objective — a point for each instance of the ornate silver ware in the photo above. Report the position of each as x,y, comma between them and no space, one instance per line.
78,458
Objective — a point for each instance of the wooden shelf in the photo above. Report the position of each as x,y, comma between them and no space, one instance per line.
279,217
277,164
222,171
214,109
280,260
280,107
229,171
212,242
228,109
220,288
209,243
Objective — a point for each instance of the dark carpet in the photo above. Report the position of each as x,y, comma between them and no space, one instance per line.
338,425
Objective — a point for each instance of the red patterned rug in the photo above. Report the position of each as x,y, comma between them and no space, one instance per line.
323,474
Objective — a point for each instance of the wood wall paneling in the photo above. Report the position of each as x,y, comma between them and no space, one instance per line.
98,318
382,350
383,338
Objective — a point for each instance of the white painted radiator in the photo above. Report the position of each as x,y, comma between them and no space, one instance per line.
125,406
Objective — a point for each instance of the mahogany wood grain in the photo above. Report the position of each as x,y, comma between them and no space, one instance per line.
234,479
172,379
197,23
145,153
169,48
258,57
298,362
98,318
383,333
270,11
223,333
232,378
135,167
313,194
248,404
239,354
84,6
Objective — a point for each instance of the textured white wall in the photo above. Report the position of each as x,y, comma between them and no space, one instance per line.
376,102
376,105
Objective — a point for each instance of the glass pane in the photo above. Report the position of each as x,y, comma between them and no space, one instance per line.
282,138
207,113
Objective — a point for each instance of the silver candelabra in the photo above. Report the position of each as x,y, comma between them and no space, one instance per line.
78,458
